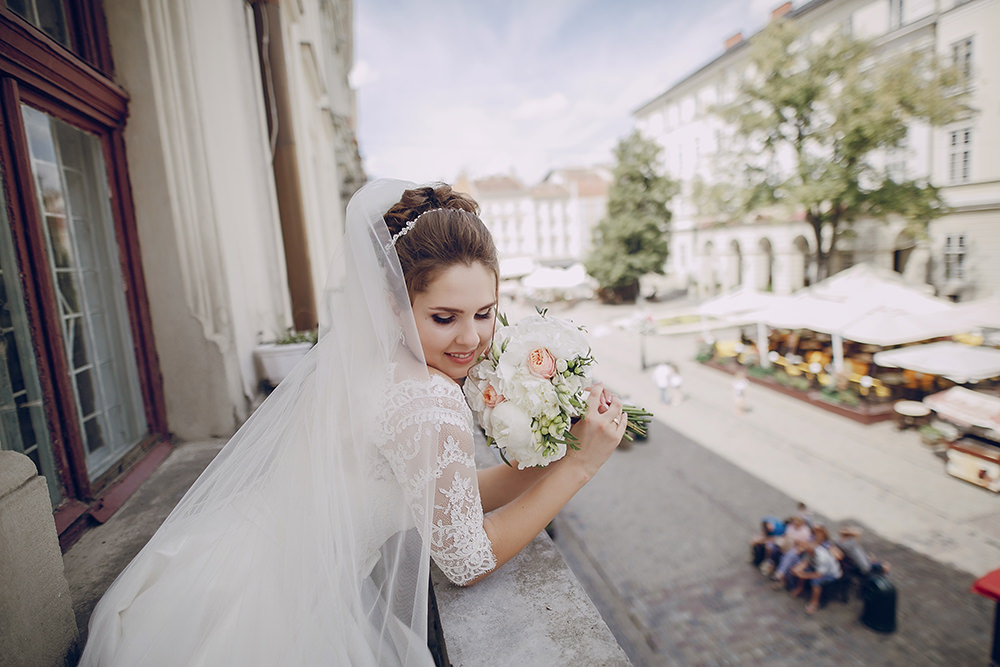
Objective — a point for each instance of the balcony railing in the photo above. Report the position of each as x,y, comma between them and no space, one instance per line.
531,611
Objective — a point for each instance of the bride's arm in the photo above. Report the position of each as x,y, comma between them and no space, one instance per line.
513,525
444,490
500,484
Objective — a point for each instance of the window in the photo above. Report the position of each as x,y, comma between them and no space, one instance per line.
896,160
959,146
961,58
79,232
895,13
23,425
49,16
954,257
80,393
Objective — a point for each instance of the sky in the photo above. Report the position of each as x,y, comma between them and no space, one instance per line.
486,87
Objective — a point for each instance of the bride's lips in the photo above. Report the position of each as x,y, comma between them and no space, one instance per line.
463,358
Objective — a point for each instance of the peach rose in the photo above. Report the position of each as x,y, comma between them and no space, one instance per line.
492,397
541,363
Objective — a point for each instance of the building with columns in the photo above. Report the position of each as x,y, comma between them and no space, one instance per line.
770,250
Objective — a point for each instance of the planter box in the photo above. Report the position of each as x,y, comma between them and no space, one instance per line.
277,361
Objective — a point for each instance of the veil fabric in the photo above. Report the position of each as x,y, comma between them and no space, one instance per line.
308,539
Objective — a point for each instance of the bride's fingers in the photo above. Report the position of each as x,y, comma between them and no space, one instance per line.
605,401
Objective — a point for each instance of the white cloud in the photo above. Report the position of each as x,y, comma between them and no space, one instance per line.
362,75
541,107
489,87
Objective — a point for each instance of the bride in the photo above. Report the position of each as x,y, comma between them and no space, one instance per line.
308,540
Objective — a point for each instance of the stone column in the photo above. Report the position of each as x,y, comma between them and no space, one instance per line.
37,625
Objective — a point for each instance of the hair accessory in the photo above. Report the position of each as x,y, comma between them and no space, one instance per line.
410,225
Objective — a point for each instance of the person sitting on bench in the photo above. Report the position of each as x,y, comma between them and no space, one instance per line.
820,567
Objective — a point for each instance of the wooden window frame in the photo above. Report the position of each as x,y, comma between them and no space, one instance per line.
75,88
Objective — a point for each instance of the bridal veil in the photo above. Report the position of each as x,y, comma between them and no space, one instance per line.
291,548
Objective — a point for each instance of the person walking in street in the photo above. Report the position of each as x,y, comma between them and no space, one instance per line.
676,384
662,377
740,385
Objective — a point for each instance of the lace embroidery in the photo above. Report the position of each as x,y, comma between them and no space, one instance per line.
435,414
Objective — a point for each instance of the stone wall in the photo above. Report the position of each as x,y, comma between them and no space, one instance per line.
37,625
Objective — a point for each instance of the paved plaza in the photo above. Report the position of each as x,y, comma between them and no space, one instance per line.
660,537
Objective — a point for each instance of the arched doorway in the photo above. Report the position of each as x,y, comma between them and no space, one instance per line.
802,249
736,265
709,278
765,276
902,249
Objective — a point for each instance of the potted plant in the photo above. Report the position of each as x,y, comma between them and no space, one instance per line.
277,358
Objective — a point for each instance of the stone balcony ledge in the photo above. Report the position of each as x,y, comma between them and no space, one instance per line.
531,611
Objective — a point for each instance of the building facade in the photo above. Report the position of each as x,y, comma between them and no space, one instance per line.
175,174
549,223
770,250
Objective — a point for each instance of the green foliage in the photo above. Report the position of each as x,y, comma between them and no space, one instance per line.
799,382
632,238
291,337
828,114
841,396
931,435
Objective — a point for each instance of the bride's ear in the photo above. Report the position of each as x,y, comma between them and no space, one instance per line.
403,318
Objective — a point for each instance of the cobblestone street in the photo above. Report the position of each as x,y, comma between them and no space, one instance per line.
659,539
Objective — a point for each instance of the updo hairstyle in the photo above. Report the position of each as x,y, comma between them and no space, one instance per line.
440,239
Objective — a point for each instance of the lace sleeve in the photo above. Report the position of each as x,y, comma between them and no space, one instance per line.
435,414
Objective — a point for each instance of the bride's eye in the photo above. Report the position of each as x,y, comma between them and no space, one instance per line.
443,319
485,316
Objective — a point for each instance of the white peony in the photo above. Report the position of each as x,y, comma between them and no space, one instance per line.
511,428
530,457
533,395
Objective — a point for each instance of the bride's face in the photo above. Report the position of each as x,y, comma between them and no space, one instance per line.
455,316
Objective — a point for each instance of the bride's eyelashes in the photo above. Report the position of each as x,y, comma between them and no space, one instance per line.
448,319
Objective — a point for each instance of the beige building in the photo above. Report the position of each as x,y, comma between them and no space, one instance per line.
548,223
175,174
769,250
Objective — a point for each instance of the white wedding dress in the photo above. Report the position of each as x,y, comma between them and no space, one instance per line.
308,539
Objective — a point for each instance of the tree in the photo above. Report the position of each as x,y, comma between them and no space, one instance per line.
818,122
631,240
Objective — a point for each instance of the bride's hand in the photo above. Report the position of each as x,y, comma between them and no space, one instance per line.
599,432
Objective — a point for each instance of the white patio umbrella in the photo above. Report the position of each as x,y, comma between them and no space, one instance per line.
865,305
955,361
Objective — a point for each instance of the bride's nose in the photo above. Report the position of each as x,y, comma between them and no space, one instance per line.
468,335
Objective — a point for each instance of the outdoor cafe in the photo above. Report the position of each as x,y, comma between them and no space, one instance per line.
862,340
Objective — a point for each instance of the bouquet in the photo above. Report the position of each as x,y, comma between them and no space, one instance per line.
531,386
